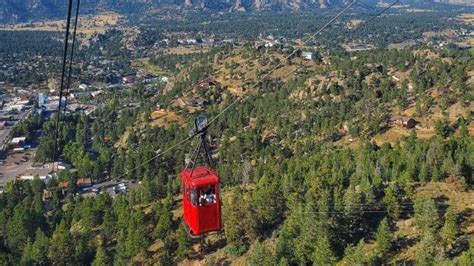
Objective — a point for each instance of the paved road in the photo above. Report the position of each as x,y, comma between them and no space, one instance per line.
9,170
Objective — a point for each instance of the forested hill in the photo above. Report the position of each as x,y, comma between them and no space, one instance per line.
18,10
24,10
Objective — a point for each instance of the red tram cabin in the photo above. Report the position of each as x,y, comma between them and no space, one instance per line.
201,205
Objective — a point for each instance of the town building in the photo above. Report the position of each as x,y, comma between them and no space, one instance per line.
307,55
403,121
18,142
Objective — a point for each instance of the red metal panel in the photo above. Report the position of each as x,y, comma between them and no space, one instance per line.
200,218
210,216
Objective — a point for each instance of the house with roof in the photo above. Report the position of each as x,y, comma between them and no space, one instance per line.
59,190
84,182
403,121
4,118
196,102
307,55
18,142
207,83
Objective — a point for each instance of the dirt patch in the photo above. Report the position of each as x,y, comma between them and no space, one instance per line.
354,23
391,135
88,24
407,234
164,118
467,18
463,200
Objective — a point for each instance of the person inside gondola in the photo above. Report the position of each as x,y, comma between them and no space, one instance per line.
202,199
207,196
194,198
212,197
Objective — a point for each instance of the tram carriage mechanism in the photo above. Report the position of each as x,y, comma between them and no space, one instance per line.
200,188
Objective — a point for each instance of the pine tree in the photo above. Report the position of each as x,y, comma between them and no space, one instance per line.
166,255
423,175
303,244
19,228
61,250
391,201
323,253
354,256
39,252
108,225
83,252
261,255
352,200
137,240
183,244
426,214
3,225
427,248
26,258
383,239
233,228
268,203
146,190
164,218
467,257
121,255
100,258
283,262
285,247
450,228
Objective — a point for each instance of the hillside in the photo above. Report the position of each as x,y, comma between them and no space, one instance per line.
20,10
26,10
353,148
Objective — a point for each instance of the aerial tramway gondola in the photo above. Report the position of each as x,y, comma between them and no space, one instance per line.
200,189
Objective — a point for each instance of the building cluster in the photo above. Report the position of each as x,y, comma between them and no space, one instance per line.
16,104
24,68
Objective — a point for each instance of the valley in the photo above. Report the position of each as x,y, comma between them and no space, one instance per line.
349,147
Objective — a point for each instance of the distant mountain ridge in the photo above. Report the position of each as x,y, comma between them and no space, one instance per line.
24,10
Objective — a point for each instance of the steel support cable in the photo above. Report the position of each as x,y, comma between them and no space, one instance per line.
63,73
194,156
236,100
158,154
299,49
214,119
68,83
262,78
